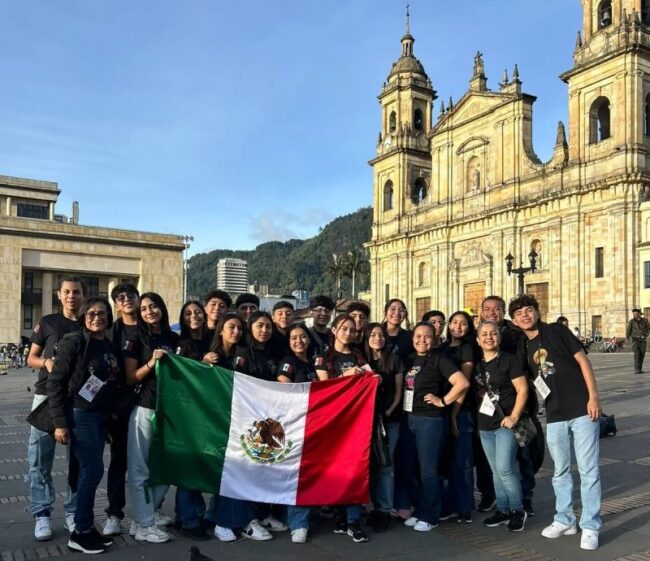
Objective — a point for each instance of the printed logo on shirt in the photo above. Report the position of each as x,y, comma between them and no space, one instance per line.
37,328
409,379
544,367
128,345
240,362
286,367
319,361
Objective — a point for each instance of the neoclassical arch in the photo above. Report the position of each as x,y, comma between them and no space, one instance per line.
388,195
419,190
473,176
604,14
599,120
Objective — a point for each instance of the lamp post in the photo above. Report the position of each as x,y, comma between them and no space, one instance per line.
521,270
186,245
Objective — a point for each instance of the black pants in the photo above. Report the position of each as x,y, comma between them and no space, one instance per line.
639,348
118,424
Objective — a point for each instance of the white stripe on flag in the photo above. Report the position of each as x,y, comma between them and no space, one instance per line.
255,401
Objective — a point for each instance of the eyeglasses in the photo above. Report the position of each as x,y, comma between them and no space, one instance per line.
92,315
321,310
438,322
122,297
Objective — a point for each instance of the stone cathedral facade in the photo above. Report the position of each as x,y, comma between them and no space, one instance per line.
457,192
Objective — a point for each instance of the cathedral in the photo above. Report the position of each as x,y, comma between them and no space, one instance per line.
462,203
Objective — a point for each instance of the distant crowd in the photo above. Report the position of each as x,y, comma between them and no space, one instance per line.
456,409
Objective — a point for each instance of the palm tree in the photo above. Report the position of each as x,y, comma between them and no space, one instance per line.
358,265
337,268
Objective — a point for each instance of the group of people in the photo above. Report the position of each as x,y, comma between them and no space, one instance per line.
14,356
448,406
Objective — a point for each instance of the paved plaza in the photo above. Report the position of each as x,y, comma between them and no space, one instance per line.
625,461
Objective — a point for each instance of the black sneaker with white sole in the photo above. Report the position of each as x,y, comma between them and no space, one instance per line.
356,533
497,519
528,507
105,540
486,504
341,526
86,543
517,521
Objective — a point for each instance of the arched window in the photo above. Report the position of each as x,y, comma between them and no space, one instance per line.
599,120
422,274
418,191
645,12
646,124
473,181
392,122
417,120
605,14
388,195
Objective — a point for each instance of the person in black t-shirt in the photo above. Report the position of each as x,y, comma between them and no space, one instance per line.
565,376
359,312
437,319
321,313
296,367
217,303
261,363
460,347
388,411
282,321
400,340
502,392
81,390
40,451
432,382
156,339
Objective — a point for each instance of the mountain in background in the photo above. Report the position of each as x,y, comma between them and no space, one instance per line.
294,264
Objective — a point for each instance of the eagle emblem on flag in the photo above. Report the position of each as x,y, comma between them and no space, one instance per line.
265,443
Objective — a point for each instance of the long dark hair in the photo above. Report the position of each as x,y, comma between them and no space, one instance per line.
406,313
216,346
329,358
304,329
470,336
249,328
186,333
366,346
144,328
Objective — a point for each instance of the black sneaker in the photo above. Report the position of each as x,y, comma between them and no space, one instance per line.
464,518
86,543
486,504
341,526
497,519
517,520
197,533
447,516
528,507
372,518
356,533
105,540
382,522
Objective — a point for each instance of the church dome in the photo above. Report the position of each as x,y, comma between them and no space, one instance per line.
407,64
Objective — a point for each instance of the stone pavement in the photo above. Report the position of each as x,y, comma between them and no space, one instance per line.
625,461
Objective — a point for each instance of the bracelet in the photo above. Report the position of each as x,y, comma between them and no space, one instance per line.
443,401
149,367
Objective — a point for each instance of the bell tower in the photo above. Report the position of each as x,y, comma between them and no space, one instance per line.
402,166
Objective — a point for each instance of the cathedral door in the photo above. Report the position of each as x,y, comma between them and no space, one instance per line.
422,306
473,296
540,292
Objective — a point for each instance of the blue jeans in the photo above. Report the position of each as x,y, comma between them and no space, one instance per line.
581,434
88,438
298,517
501,450
407,471
430,435
382,484
188,505
527,472
40,455
229,513
459,494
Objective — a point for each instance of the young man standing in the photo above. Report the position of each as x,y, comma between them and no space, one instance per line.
321,310
564,376
217,303
282,321
40,451
437,319
360,313
637,332
246,304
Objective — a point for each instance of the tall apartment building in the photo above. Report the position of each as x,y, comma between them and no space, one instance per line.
232,275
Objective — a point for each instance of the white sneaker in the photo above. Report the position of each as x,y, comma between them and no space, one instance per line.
255,532
151,534
43,529
422,526
589,539
162,519
224,534
133,528
112,527
299,535
68,522
557,529
273,524
410,522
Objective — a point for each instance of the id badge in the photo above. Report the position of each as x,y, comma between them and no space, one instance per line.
91,388
542,386
487,407
408,401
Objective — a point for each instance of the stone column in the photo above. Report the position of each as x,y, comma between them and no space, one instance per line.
50,208
8,206
46,296
112,283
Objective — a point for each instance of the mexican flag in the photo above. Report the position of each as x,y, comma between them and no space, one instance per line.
219,431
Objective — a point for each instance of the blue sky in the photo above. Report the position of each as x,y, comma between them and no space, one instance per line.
242,122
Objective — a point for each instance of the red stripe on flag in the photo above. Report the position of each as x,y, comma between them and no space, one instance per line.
334,467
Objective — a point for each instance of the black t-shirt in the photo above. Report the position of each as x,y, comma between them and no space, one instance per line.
510,337
428,374
192,348
239,360
551,353
142,353
101,362
319,343
400,344
47,334
278,345
459,355
499,373
340,363
298,371
262,365
387,387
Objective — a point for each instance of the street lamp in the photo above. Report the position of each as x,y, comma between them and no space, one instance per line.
186,245
521,270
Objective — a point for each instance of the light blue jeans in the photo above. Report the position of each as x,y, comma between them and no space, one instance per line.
40,455
144,499
581,435
298,517
501,451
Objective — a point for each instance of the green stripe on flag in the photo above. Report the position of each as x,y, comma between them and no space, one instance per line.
192,424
